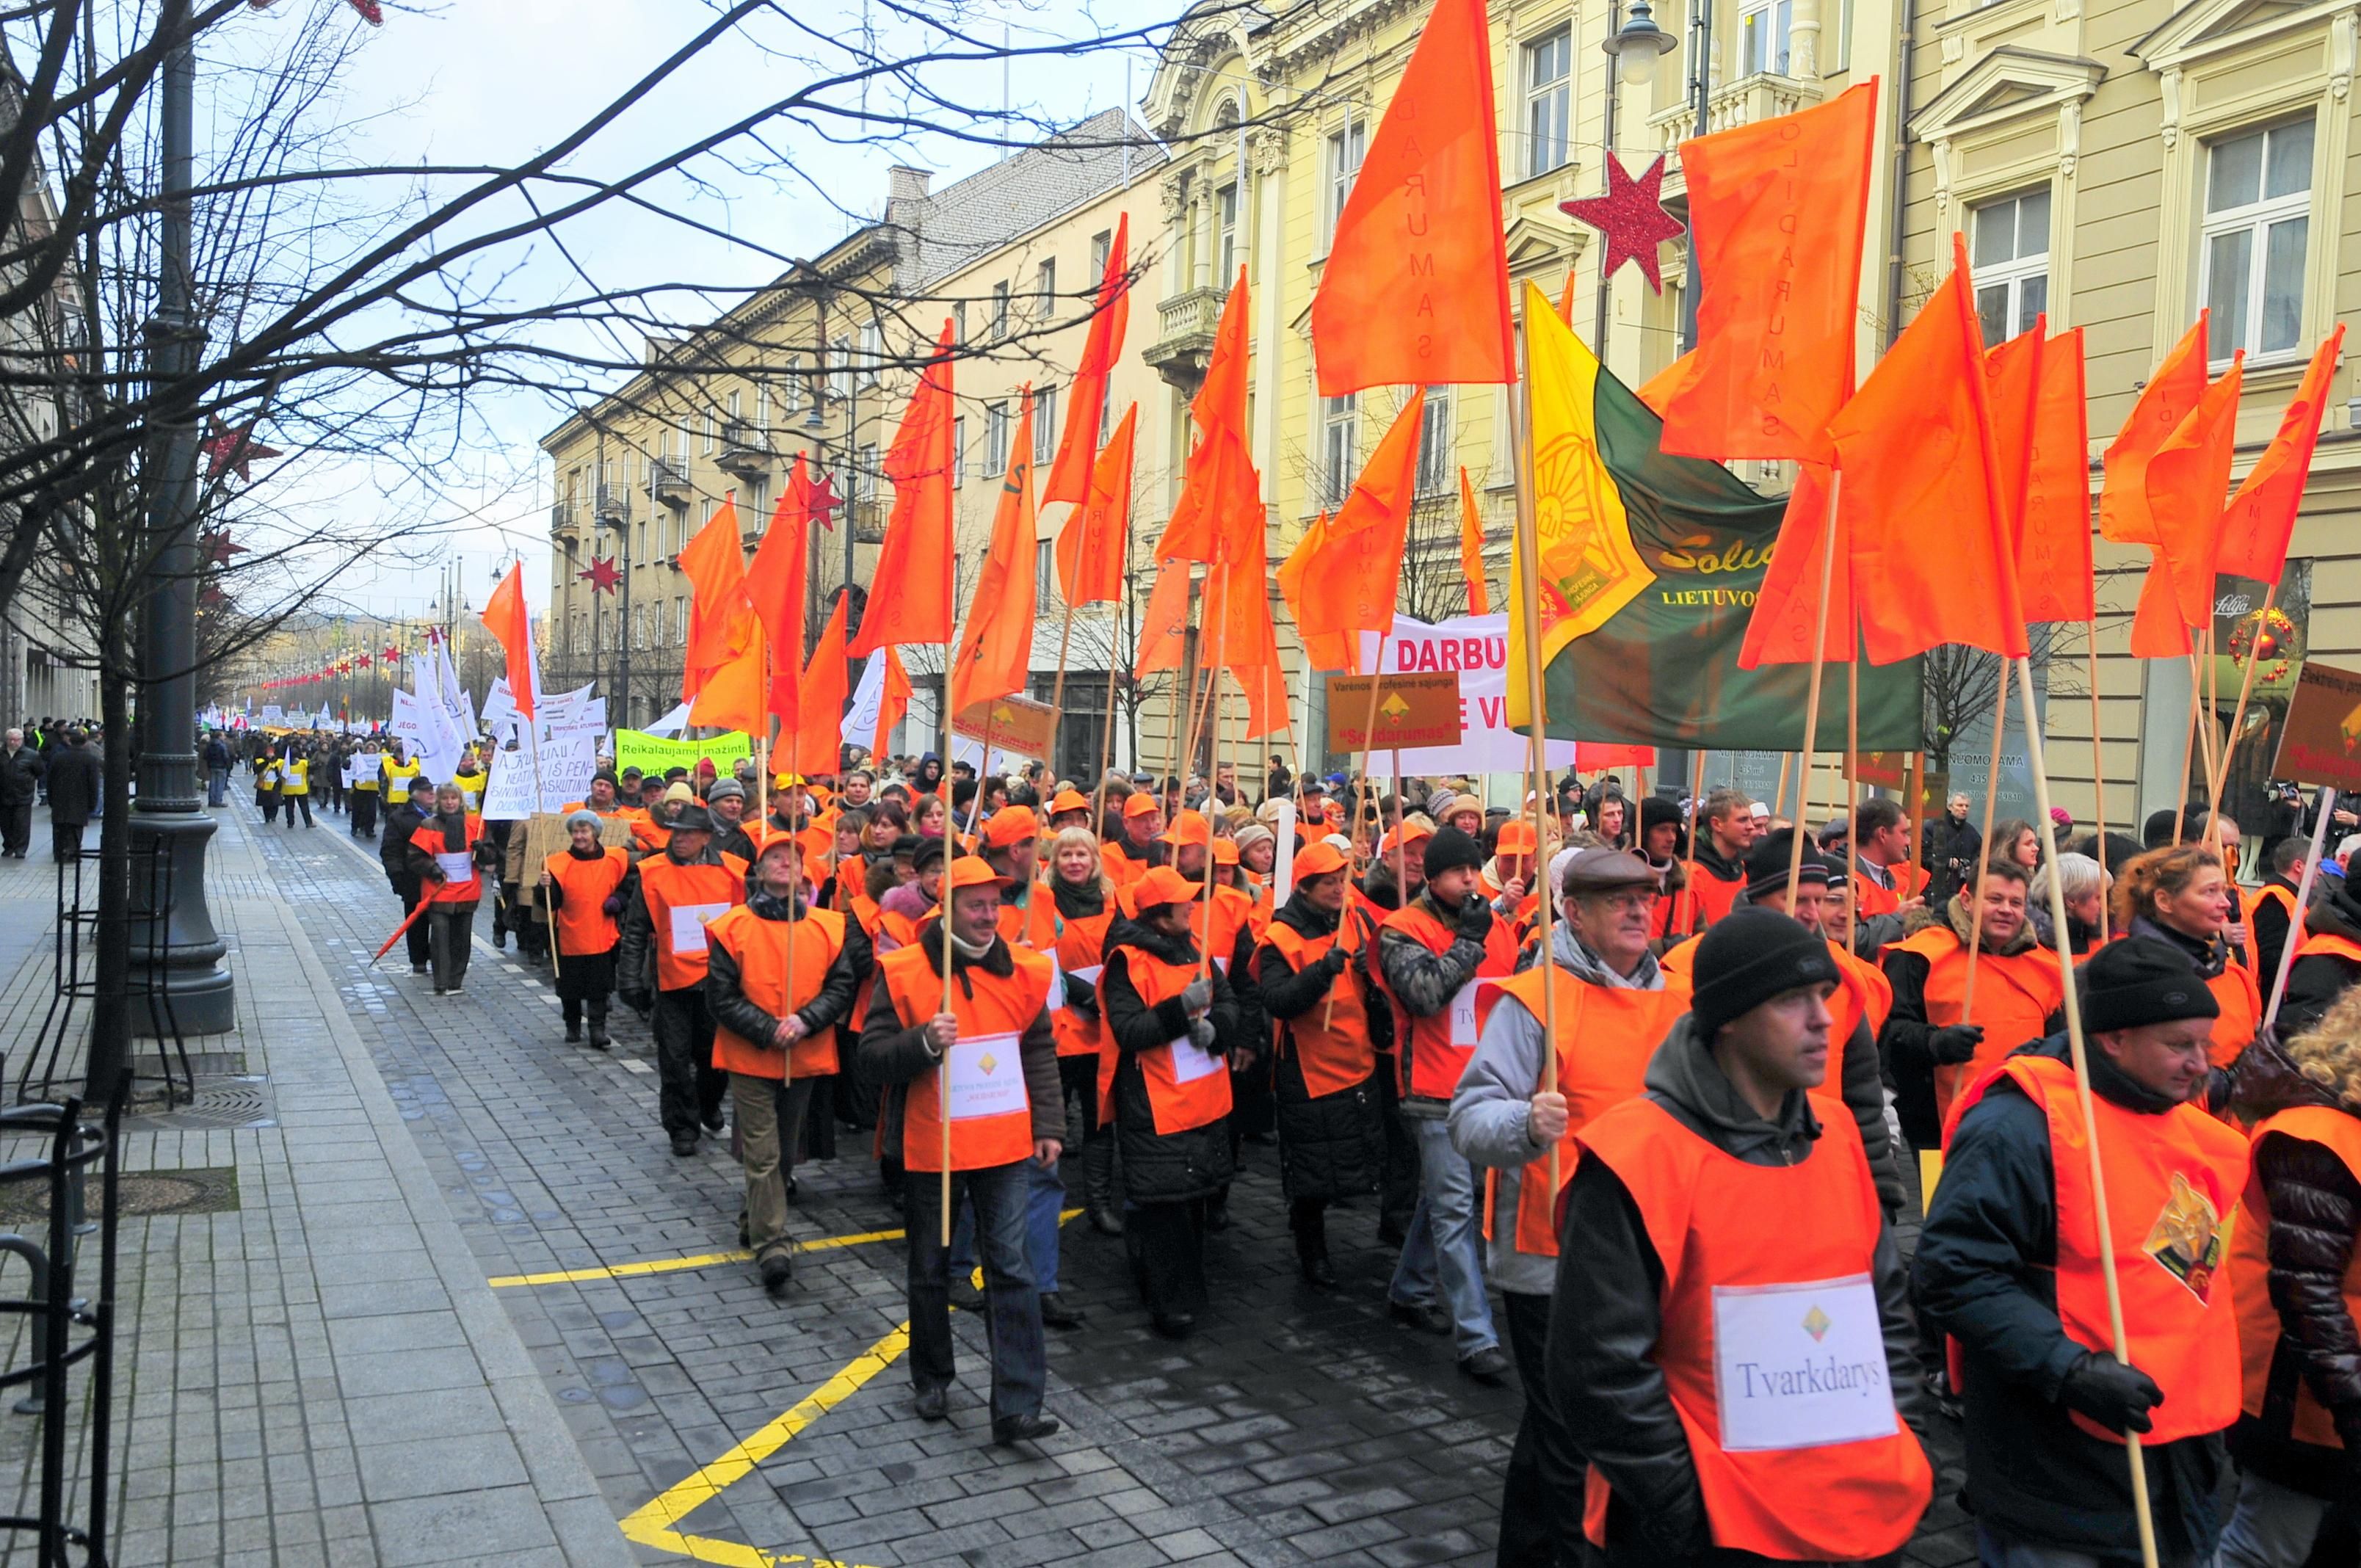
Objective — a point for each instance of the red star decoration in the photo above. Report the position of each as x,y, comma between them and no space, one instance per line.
230,451
363,661
218,547
603,575
392,653
823,502
1633,218
369,10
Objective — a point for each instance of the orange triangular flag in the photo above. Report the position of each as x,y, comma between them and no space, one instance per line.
1471,549
1565,298
1070,475
511,624
1249,642
1352,586
1777,212
1221,495
910,592
2163,404
2188,483
2157,628
819,731
1332,651
1091,546
2261,519
718,613
1915,457
1657,390
731,696
1786,606
775,584
995,651
1164,624
1415,288
893,700
2034,386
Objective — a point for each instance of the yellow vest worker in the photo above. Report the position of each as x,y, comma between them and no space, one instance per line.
398,775
295,778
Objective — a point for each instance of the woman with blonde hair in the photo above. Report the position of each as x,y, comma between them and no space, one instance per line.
2183,896
1086,907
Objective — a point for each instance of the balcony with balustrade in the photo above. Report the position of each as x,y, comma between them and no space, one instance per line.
745,450
1185,336
668,484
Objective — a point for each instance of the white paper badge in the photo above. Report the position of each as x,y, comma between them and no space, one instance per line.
1190,1064
460,867
1463,1014
987,1077
1800,1365
688,925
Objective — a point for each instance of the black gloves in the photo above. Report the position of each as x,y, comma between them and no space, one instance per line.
1955,1043
2117,1396
1335,959
1475,918
637,1001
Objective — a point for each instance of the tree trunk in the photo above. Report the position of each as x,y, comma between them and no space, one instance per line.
110,1015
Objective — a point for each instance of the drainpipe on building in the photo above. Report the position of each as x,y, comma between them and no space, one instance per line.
1905,46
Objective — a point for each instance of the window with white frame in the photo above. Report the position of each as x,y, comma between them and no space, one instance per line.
680,619
712,431
791,391
1434,443
1101,243
1346,146
2258,227
1762,36
1045,424
737,404
1045,289
958,321
842,350
763,407
1045,576
1226,236
873,354
2008,245
996,439
999,312
1549,100
864,472
1340,448
959,452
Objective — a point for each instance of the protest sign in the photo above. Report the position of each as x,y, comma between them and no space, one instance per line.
1475,647
650,753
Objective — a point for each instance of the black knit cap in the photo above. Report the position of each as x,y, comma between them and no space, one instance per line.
1767,864
1750,956
1449,847
1655,811
2142,980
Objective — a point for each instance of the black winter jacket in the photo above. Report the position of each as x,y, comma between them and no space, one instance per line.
1330,1146
1986,1274
73,784
2316,980
1606,1316
725,987
1162,1168
20,776
635,955
393,844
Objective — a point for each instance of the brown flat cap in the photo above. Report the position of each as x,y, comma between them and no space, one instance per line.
1602,871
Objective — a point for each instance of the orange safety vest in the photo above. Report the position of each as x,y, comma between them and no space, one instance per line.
1440,1044
1863,993
1186,1086
2172,1183
649,835
681,899
2270,892
462,883
1714,897
1330,1041
2015,997
1607,1037
990,1115
2275,1387
759,948
1121,869
584,926
1034,923
1082,946
2242,1014
1799,1451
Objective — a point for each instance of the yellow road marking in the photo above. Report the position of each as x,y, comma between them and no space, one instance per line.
675,1265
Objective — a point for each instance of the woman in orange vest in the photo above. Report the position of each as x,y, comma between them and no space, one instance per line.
1731,1336
780,977
449,854
1086,907
2182,897
584,887
2295,1273
1332,1143
2010,1266
977,1081
1172,1026
661,968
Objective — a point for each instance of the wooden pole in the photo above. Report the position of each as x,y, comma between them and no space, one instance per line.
2302,901
1916,779
1106,758
2079,1050
1984,849
2188,750
943,903
2099,779
1851,795
1820,663
1779,795
2245,690
1057,700
1368,741
1521,435
1688,879
1205,946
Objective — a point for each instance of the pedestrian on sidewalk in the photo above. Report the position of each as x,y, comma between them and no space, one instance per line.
449,854
402,821
661,968
266,785
780,977
217,764
585,885
73,784
295,785
20,781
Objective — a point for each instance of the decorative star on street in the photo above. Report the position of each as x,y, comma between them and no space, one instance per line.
823,502
229,451
602,575
1631,217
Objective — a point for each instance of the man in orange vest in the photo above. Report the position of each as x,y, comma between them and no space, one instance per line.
582,885
977,1080
1130,857
1430,954
780,976
2010,1266
1730,831
1612,1005
2270,909
661,968
1884,882
1731,1330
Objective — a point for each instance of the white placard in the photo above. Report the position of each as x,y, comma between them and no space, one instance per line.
508,797
567,766
1283,867
1800,1365
1478,647
1190,1064
271,715
688,925
457,868
987,1077
1462,1014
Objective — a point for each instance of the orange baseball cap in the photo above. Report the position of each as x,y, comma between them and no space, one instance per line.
1189,828
1226,852
1410,833
1318,859
1141,805
1068,800
1009,826
973,871
1516,837
1162,884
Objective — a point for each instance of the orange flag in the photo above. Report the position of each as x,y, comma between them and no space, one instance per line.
1332,651
1415,288
1250,643
818,730
730,696
718,613
910,592
2261,519
1786,606
2163,404
995,651
1352,586
1778,210
506,619
1163,625
2188,482
1471,548
2157,628
1915,454
893,700
2040,430
1221,495
775,584
1070,475
1091,546
1657,390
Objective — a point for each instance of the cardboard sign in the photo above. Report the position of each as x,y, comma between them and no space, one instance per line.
1884,769
2320,740
1412,711
1012,724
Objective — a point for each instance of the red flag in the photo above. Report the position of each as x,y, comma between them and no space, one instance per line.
1778,210
1091,546
775,584
1163,625
819,728
893,700
995,651
910,592
718,613
2261,519
1220,506
1471,549
506,619
1915,452
2034,386
1351,588
2188,483
1070,475
2163,404
1415,288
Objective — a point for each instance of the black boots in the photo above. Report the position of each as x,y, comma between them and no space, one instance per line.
1098,1183
599,1025
1309,1223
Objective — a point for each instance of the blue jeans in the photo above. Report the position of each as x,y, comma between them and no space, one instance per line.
1019,1361
1044,1201
1442,1245
2272,1525
1996,1551
216,786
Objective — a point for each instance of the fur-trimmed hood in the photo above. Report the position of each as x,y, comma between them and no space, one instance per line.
1950,915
